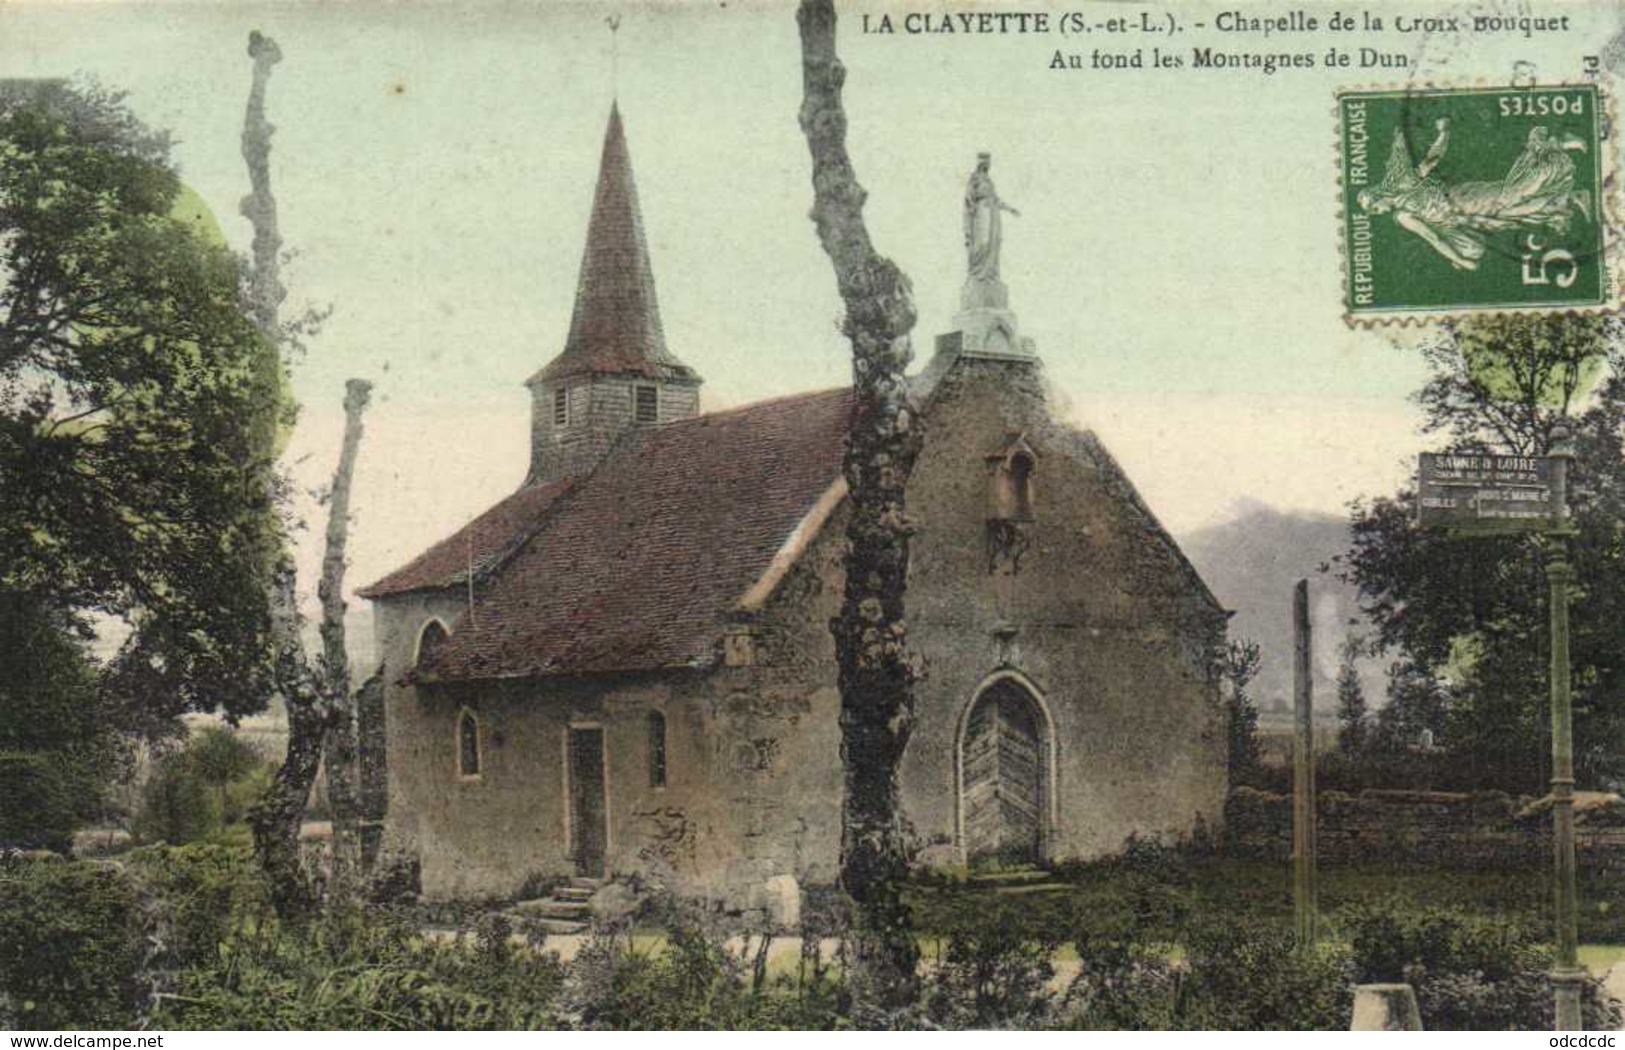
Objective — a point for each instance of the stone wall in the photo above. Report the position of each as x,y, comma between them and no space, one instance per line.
1098,616
1482,829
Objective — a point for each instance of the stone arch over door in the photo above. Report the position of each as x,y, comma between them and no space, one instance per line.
1004,772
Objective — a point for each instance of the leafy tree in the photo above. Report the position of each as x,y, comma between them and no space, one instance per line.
190,793
57,751
139,406
220,758
1352,711
1476,608
1239,666
1417,709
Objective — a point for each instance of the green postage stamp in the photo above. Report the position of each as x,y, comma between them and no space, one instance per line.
1472,199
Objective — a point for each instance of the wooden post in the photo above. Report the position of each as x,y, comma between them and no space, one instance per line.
1303,772
1567,976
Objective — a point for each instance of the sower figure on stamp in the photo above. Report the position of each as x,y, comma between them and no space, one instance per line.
1538,191
983,231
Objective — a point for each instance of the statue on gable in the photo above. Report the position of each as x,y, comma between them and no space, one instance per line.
983,236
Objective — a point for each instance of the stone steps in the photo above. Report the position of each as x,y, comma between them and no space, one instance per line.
565,911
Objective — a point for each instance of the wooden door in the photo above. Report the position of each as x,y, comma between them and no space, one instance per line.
587,825
1002,765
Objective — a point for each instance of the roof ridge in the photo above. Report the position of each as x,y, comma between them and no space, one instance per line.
751,406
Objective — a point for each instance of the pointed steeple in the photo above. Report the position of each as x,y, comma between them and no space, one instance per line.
615,373
615,329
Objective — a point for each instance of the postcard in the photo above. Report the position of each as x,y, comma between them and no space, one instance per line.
874,514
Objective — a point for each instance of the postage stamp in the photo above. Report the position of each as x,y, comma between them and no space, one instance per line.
1472,199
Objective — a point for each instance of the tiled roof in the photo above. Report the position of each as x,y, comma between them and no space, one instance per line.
640,566
484,542
616,324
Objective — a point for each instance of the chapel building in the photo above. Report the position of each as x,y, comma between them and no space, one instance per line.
625,667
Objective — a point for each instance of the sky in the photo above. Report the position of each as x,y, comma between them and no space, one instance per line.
1176,258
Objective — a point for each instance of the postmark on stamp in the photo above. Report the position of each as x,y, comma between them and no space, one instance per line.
1472,199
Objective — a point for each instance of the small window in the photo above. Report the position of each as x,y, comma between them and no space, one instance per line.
1012,489
430,639
1021,487
561,407
468,745
647,408
657,749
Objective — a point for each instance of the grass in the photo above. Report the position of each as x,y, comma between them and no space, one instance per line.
1228,889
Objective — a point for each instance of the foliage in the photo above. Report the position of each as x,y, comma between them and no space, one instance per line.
996,970
1250,976
1353,726
1469,972
176,806
70,945
220,758
1125,978
207,895
1476,609
689,982
196,791
1238,666
1417,710
184,937
138,405
359,969
58,751
1123,984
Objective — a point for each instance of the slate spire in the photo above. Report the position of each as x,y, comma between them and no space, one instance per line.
615,329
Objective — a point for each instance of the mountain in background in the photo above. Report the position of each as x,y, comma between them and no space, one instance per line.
1252,562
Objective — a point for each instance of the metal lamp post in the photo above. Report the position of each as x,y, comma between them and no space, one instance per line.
1567,976
1470,494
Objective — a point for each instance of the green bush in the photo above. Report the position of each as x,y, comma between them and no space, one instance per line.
59,748
1469,972
70,945
176,806
1250,977
360,967
995,971
196,792
689,982
205,894
41,809
1125,979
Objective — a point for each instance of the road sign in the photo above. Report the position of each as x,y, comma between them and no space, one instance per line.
1485,493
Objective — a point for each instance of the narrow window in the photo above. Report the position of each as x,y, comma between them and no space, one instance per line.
657,749
1021,487
647,408
430,639
468,744
561,406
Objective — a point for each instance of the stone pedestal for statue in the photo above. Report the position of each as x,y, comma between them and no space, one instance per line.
1385,1008
985,326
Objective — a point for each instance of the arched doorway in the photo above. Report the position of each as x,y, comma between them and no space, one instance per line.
1004,773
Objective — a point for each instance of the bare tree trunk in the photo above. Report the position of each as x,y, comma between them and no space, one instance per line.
259,207
343,774
316,702
278,814
876,679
